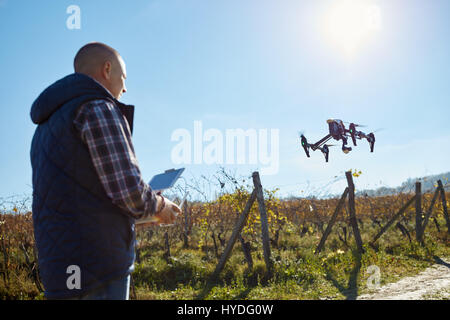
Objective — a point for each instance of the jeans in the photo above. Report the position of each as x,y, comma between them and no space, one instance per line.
118,289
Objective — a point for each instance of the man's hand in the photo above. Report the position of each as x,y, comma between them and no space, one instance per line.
169,213
164,215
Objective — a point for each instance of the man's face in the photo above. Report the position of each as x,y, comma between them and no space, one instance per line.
117,76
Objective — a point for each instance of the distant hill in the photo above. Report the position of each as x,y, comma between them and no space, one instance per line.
428,184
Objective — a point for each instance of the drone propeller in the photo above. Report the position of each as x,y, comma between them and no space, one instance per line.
356,125
301,133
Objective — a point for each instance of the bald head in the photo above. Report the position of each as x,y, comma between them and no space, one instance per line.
104,64
93,56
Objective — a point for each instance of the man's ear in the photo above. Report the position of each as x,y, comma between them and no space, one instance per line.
107,70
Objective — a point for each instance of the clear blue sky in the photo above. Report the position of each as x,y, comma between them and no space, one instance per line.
254,64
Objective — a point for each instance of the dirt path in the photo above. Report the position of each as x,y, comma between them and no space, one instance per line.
433,283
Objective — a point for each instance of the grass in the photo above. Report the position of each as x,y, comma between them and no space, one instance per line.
443,295
338,272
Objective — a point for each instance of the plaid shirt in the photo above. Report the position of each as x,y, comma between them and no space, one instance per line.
107,135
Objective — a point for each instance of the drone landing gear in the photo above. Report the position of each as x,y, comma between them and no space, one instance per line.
371,139
305,145
353,133
325,152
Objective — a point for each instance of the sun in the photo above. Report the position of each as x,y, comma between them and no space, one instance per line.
349,23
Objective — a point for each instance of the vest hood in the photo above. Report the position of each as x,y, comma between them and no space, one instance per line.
56,95
73,86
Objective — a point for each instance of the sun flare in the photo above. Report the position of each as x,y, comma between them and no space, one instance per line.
349,23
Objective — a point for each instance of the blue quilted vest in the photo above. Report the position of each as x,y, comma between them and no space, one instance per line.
75,223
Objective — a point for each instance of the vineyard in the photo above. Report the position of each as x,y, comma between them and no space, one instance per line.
248,243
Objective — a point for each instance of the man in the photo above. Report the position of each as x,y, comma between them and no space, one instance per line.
87,187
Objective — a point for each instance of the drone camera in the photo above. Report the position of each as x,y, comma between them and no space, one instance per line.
346,149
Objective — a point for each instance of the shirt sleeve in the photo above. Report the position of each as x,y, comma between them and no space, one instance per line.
107,134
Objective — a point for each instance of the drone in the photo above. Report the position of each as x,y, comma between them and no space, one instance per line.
338,132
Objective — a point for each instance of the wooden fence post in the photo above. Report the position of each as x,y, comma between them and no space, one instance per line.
332,221
419,218
430,210
403,230
264,222
186,226
247,252
398,214
236,232
444,205
352,211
